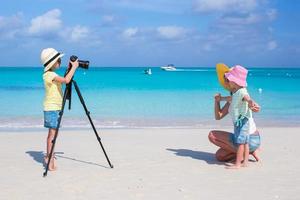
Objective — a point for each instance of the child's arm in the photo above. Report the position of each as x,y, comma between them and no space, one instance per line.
221,112
69,76
251,104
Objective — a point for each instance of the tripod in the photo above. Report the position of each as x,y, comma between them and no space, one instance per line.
67,95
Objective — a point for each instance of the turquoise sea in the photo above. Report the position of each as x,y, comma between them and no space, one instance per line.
121,97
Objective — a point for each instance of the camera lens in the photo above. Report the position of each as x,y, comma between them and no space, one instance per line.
81,63
84,64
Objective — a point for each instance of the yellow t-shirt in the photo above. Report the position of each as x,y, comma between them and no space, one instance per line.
53,92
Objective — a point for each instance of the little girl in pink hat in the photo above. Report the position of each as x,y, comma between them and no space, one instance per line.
241,113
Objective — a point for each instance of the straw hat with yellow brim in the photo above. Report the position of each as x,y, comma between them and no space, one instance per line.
221,70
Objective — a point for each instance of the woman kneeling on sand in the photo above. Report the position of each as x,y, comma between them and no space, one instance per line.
230,147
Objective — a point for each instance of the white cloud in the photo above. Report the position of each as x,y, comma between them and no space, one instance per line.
272,45
130,33
171,32
78,33
47,23
204,6
11,26
51,24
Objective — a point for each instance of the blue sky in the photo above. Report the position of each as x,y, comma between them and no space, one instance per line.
187,33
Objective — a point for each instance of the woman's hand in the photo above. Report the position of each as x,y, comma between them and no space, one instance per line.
218,97
221,112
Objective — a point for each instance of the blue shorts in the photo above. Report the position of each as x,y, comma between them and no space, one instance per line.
51,119
254,141
240,135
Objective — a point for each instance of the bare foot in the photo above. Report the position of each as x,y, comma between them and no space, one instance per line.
52,165
245,164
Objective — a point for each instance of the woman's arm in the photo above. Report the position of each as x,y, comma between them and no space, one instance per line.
220,112
69,76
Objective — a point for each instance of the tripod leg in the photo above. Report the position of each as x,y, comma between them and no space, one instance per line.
57,128
91,122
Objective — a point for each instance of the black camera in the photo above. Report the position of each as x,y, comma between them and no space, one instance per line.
82,63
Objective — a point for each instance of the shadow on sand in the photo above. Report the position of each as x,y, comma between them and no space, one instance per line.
199,155
81,161
38,156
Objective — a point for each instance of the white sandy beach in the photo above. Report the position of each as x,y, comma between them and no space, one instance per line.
148,164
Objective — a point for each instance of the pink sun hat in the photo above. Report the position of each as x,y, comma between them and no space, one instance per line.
238,75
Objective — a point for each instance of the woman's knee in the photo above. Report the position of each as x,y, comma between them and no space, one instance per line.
211,136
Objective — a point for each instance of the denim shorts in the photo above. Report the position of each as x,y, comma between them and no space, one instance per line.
51,119
240,131
254,141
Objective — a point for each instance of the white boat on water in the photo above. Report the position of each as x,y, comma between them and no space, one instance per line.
169,67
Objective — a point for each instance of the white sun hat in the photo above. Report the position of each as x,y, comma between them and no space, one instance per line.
49,57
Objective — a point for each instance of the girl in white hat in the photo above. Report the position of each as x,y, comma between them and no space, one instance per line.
51,60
